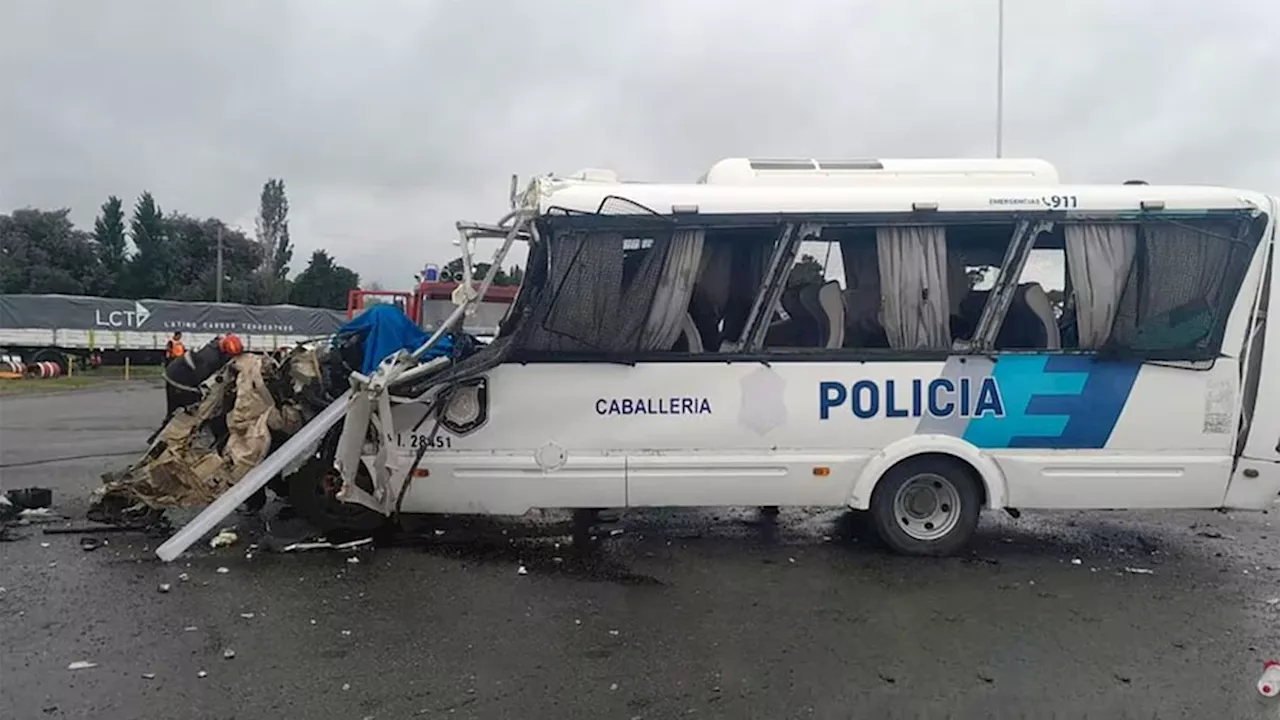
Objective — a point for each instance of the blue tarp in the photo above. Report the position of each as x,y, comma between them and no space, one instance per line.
386,330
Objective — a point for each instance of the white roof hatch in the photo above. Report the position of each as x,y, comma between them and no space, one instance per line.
880,172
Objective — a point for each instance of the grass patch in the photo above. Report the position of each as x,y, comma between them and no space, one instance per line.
25,386
78,380
116,372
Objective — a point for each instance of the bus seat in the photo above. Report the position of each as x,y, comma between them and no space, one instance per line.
790,302
815,330
831,303
1035,299
692,337
797,330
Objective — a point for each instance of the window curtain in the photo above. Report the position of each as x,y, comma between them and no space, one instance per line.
674,291
1099,258
913,280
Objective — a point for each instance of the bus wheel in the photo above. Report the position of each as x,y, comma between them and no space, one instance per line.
926,506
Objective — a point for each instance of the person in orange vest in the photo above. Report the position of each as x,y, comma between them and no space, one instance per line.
185,373
174,348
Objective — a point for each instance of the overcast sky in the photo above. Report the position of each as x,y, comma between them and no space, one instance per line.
389,120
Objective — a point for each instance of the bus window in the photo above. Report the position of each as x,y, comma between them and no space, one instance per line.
904,287
811,310
618,293
1156,288
730,274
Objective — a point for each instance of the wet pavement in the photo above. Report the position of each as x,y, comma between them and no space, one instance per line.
690,614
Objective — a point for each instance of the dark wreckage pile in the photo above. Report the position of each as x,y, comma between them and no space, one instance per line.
250,406
245,410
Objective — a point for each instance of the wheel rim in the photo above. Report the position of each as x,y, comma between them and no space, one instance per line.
927,507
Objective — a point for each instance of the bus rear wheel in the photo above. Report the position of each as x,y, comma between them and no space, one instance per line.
927,506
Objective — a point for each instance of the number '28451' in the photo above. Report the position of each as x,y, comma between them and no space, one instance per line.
416,440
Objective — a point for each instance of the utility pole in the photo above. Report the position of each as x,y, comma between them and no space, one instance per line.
218,291
999,78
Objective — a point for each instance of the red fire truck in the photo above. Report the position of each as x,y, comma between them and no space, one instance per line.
430,303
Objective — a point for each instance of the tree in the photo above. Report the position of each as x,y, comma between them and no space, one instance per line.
150,268
112,245
273,229
193,248
807,271
323,283
42,252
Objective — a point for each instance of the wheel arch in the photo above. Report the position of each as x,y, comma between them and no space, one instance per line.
992,482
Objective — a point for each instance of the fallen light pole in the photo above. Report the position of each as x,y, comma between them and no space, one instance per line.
254,480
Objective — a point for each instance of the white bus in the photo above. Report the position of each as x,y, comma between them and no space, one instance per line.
920,340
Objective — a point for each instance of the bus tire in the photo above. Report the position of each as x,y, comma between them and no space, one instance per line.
927,506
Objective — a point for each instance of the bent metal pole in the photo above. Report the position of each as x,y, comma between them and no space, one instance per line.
254,480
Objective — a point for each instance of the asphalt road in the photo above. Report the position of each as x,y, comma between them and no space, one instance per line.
692,614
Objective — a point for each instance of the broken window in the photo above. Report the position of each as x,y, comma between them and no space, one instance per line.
729,277
617,292
1182,281
1157,288
898,287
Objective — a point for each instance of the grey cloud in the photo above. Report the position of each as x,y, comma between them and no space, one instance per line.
390,120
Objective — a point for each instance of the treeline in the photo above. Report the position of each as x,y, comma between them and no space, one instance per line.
170,256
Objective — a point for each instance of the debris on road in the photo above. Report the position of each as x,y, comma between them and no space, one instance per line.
164,587
247,615
322,544
223,570
31,498
37,515
228,654
1269,683
202,674
225,538
1077,561
1139,571
82,665
522,570
194,459
148,676
89,544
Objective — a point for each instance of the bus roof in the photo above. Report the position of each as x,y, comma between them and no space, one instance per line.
880,172
710,199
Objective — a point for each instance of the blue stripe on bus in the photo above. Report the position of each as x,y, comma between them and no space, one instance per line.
1055,401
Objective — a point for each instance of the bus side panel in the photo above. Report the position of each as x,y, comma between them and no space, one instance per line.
1066,431
1134,436
541,446
1256,480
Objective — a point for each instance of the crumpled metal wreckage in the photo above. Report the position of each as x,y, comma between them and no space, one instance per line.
247,407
